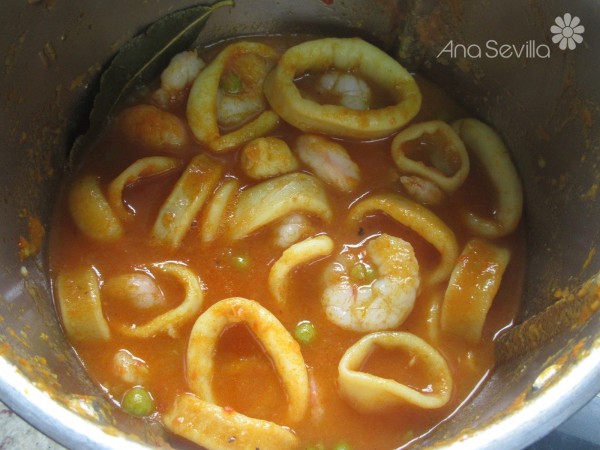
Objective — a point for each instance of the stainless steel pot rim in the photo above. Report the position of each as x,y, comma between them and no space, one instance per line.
540,415
516,430
51,418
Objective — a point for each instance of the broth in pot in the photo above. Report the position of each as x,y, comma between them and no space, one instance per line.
289,243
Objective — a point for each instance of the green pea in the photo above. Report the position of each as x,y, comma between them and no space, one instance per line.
362,272
305,332
138,402
371,273
231,83
342,445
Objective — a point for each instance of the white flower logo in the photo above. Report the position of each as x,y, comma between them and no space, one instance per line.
567,32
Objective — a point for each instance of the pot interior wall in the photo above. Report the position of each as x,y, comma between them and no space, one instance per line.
544,108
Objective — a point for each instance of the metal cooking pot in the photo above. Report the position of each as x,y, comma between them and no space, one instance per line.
543,100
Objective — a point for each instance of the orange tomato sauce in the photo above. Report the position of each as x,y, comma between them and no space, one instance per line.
244,376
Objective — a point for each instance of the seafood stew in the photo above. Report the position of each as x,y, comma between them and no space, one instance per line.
282,237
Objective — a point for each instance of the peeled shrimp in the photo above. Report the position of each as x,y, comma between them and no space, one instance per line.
181,71
228,92
382,304
423,191
138,289
170,321
351,91
291,229
240,93
232,110
329,161
267,157
128,368
343,55
154,128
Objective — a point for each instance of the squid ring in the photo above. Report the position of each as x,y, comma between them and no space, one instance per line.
145,167
473,285
201,110
91,211
351,54
175,318
78,296
487,146
448,158
283,350
216,212
434,300
186,199
299,253
212,426
419,219
273,199
369,393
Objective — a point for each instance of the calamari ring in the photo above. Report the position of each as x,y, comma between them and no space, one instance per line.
78,296
186,199
451,156
351,54
170,321
144,167
419,219
433,302
201,108
216,212
368,393
486,145
473,285
91,211
274,199
214,427
299,253
283,350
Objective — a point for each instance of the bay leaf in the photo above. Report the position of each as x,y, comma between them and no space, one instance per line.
141,60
